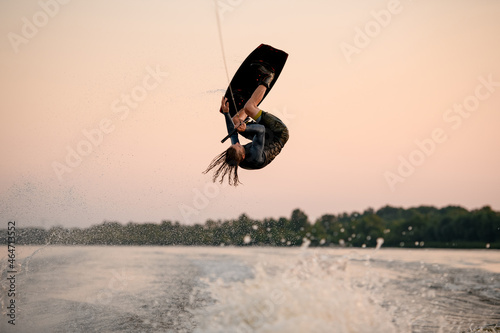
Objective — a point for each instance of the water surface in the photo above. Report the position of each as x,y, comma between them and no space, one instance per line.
196,289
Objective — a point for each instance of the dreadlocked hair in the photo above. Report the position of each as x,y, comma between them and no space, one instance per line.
226,164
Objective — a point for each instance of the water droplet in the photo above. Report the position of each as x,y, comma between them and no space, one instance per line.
380,241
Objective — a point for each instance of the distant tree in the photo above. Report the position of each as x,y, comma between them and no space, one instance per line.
415,226
298,221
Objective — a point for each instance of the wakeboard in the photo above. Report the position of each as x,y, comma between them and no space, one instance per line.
246,79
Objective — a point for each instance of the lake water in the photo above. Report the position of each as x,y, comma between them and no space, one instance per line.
197,289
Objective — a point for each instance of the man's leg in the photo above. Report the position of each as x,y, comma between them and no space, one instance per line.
251,106
251,109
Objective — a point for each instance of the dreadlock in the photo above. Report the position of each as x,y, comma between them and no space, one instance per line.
225,163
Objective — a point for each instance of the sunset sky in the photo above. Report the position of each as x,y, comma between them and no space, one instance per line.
109,109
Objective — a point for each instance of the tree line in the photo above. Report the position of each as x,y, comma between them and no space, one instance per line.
423,226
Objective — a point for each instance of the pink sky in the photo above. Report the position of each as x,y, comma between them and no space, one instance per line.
387,102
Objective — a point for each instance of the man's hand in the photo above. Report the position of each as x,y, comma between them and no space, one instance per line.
241,127
224,105
239,124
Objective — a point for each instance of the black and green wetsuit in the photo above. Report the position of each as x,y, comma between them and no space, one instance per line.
269,134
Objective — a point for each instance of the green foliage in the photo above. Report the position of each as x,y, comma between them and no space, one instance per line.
451,227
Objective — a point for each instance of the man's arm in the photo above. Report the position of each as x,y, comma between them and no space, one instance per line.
229,122
230,128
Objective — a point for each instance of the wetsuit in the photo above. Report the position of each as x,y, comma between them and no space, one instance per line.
269,134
